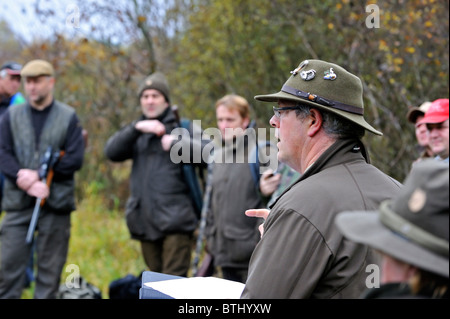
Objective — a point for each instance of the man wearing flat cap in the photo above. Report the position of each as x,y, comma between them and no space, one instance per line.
27,131
319,121
411,232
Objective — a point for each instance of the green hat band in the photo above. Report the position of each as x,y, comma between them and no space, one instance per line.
410,231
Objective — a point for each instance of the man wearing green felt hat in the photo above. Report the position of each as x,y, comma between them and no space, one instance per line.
411,232
319,117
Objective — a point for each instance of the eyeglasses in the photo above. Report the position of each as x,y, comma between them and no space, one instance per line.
277,110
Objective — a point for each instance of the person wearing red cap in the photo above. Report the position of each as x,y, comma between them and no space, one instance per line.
436,119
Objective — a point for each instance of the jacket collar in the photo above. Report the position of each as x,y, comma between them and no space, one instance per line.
342,151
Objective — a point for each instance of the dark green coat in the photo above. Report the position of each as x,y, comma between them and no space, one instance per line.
159,202
302,254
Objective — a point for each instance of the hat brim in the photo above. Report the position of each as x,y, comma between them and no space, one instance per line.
433,119
413,114
365,228
357,119
13,72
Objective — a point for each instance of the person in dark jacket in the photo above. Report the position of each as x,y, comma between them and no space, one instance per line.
9,86
232,236
27,131
9,95
411,232
301,254
159,211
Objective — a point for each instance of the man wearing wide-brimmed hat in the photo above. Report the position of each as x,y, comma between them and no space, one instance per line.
319,121
411,231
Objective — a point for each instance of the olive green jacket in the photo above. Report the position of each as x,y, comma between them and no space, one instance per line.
302,254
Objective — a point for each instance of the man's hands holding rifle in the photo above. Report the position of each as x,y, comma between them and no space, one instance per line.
28,180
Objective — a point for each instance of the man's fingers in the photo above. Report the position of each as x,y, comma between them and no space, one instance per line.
257,213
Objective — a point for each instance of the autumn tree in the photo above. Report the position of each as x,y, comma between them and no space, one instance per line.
209,48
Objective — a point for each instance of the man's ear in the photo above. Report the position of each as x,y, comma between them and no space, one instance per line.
245,123
52,81
314,121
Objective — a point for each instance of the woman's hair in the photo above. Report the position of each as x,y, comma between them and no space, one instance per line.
235,102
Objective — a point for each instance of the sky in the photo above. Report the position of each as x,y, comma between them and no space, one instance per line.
20,16
22,19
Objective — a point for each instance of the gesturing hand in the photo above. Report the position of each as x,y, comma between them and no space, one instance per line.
258,213
151,126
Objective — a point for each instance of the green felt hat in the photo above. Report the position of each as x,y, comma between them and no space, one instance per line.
326,86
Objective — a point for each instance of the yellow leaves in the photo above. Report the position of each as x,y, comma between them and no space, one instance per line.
398,61
428,24
410,50
330,26
383,46
141,19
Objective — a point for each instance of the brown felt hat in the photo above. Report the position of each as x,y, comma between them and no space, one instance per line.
325,86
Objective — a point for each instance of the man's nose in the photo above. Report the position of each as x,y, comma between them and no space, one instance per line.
274,121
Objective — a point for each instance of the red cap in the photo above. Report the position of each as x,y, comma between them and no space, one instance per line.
436,113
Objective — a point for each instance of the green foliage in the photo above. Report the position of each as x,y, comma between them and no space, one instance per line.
211,48
249,47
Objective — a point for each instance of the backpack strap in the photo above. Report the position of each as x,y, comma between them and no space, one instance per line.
254,163
191,178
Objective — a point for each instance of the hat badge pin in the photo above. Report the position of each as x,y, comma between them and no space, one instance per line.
300,67
308,75
417,200
330,75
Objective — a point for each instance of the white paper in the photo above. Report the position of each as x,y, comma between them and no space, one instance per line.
199,288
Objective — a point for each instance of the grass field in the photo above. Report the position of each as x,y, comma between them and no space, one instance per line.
100,247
